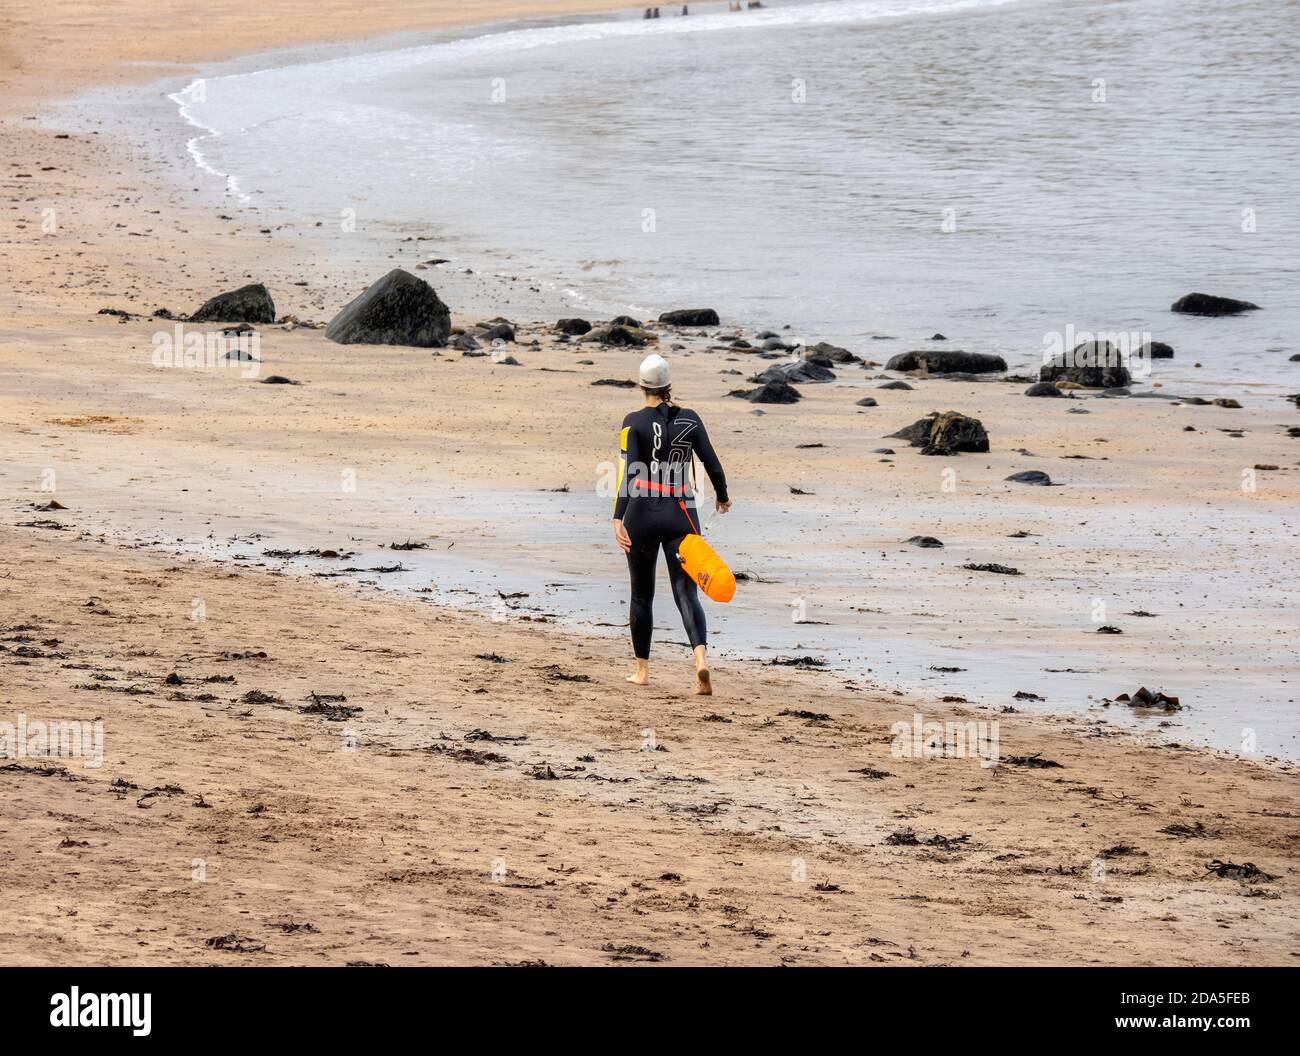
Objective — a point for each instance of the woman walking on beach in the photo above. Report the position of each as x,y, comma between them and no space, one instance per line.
655,507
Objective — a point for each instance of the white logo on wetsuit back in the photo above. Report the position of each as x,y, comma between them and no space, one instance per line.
680,452
682,446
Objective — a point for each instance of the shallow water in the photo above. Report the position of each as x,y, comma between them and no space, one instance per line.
882,614
846,168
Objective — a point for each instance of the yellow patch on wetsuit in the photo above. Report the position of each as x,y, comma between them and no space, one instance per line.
622,463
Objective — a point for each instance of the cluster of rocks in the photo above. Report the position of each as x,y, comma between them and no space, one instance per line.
401,309
948,361
470,341
624,331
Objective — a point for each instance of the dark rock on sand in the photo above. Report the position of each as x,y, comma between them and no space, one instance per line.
278,379
802,373
1043,388
1156,350
576,327
927,542
945,434
954,432
895,385
1092,364
947,362
248,304
465,342
867,401
831,352
1031,476
1001,570
623,336
398,309
1144,698
616,382
772,392
690,317
626,320
497,330
1209,304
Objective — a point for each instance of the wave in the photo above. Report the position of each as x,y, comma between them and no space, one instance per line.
221,99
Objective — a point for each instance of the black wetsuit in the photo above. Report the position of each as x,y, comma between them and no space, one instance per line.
656,503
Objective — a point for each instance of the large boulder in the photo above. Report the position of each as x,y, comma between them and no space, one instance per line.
945,434
690,317
1092,365
943,361
1209,304
248,304
772,392
802,373
399,309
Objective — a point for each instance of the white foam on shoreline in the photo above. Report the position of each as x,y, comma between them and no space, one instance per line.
359,68
829,12
185,100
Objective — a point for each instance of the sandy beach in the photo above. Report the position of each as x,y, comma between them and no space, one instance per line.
309,760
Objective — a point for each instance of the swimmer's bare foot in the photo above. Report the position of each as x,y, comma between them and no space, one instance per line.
703,684
641,675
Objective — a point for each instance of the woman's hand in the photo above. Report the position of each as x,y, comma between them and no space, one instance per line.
722,507
622,538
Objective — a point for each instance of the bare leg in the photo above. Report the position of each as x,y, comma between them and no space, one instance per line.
703,681
641,675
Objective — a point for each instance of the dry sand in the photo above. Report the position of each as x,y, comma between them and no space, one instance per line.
388,851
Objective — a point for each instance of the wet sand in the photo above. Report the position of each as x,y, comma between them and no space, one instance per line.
388,851
403,835
376,446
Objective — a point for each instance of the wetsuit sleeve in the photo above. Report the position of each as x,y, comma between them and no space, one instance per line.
712,466
628,448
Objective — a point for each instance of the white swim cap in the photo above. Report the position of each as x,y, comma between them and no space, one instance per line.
654,372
